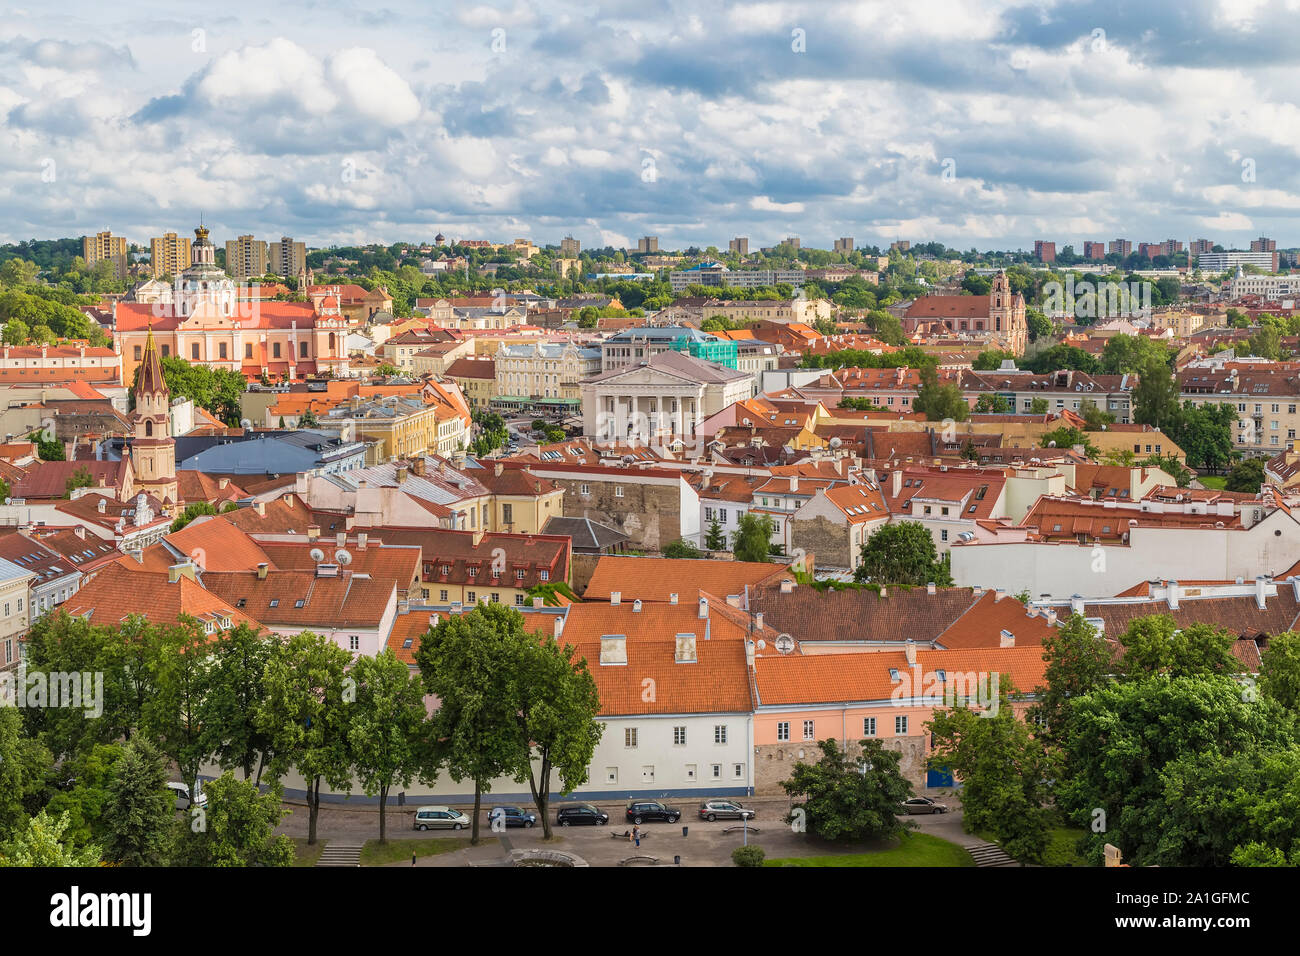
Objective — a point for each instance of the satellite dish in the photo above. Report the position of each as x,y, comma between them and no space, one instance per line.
836,442
317,555
342,556
784,644
762,644
245,423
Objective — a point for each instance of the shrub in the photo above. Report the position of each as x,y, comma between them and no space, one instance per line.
747,856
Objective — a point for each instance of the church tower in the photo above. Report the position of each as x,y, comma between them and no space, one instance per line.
153,450
1007,314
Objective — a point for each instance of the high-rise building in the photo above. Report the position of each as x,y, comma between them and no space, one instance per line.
1121,247
570,248
1198,246
288,258
1044,251
169,255
844,245
647,244
739,245
1263,244
246,258
901,245
106,247
1094,250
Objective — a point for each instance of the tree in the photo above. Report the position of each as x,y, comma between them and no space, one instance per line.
305,715
1204,432
681,548
1156,645
1067,437
1078,662
81,478
1246,476
23,762
386,370
172,713
238,830
716,538
235,691
47,449
1094,418
992,404
1004,770
386,727
902,553
42,843
752,538
475,724
1155,397
1038,406
139,815
190,513
16,332
79,787
939,402
1279,675
556,705
848,799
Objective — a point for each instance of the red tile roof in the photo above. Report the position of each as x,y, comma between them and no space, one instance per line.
654,579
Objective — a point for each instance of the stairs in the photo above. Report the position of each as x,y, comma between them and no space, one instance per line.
340,854
990,854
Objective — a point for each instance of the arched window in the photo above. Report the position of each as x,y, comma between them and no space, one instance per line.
148,429
332,343
302,349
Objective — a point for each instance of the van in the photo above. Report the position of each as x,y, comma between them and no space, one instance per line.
182,794
440,818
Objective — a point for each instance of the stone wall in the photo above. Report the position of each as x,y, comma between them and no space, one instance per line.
649,514
775,762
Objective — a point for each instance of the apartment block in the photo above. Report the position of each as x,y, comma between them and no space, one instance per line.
246,258
739,245
1044,251
106,247
288,258
169,255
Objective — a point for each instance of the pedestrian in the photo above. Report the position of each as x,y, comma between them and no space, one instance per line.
412,859
636,835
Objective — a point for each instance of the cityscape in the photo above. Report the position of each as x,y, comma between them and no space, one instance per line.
488,488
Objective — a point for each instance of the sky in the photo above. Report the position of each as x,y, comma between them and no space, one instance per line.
977,123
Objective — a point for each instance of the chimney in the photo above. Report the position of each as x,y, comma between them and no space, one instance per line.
758,621
636,606
613,649
433,620
223,484
1172,594
794,483
704,608
929,587
80,531
1051,616
102,506
341,540
538,602
999,594
787,586
672,598
884,592
401,474
1260,599
685,649
177,571
498,468
895,482
361,540
1076,604
909,648
733,600
313,532
615,598
403,606
418,466
559,626
262,568
1008,639
749,654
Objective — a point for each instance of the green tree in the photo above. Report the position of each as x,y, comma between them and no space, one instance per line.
1204,432
238,828
190,513
172,713
474,726
1156,645
681,548
50,449
1279,675
81,478
1078,662
386,728
939,402
752,538
1246,476
79,787
716,538
992,405
139,814
850,799
902,553
16,332
23,763
42,843
235,691
1066,437
1094,418
305,714
556,706
385,370
1038,406
1155,397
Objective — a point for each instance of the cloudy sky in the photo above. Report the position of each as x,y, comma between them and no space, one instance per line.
975,123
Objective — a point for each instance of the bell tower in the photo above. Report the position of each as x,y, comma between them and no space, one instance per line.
153,450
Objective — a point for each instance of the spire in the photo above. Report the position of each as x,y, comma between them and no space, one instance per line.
151,376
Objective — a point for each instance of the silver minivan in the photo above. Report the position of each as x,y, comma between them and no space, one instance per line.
440,818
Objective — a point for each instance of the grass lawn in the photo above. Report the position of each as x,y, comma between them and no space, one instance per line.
1213,481
916,849
307,855
1061,850
374,853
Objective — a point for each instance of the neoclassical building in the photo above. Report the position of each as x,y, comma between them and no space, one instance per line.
153,450
213,321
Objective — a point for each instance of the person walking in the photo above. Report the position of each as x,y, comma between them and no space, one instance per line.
636,835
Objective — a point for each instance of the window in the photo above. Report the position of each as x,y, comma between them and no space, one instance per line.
221,350
275,349
544,575
166,351
354,643
783,730
471,596
519,599
679,736
248,350
868,726
900,725
943,535
584,489
275,602
720,733
618,491
302,349
519,574
611,775
496,597
690,771
473,572
137,353
194,351
739,771
629,737
442,596
717,771
508,514
809,731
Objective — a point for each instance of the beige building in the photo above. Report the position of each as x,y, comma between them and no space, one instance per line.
1266,401
524,247
477,379
288,258
786,311
1184,324
106,247
570,248
15,612
564,265
544,370
169,255
246,258
392,426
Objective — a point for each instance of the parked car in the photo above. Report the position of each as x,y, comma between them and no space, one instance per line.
514,816
725,810
923,805
639,811
581,814
182,794
440,818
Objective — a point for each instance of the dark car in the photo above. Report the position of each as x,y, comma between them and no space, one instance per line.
513,816
725,810
639,811
579,815
922,805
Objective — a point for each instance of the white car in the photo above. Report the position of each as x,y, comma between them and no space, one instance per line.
440,818
182,794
